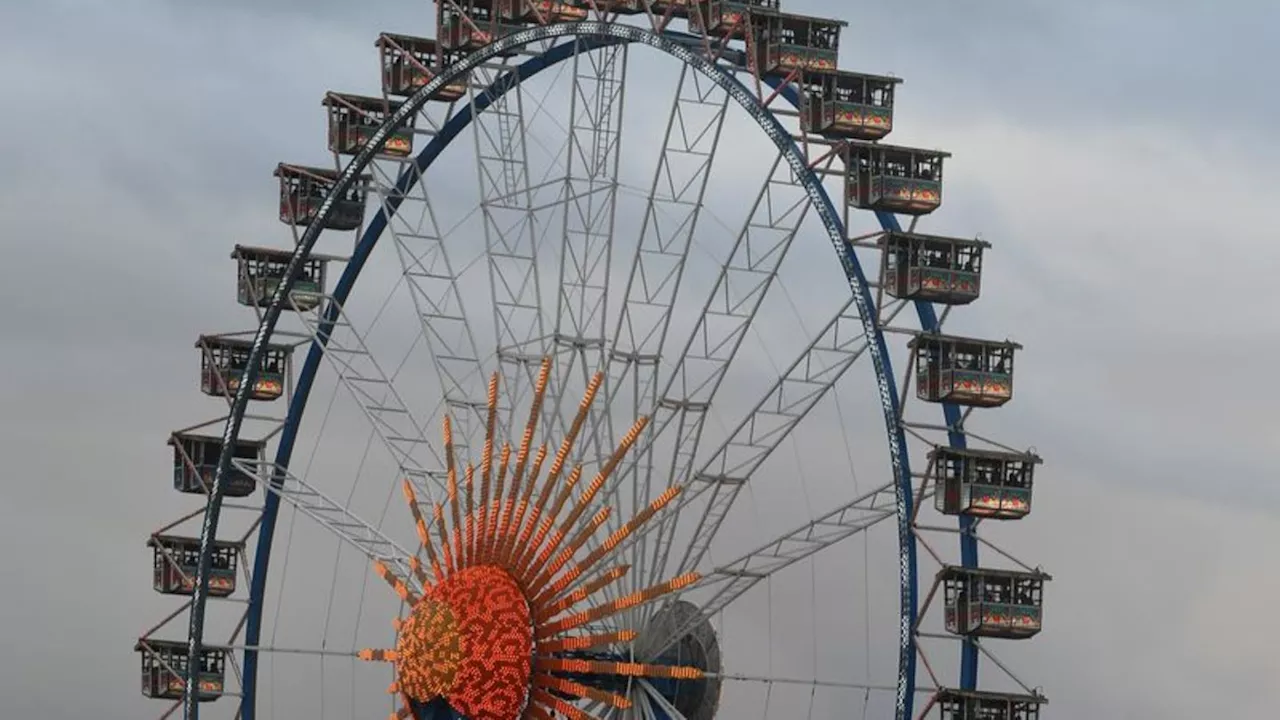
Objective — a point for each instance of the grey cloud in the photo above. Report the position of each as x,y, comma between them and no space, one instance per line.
124,193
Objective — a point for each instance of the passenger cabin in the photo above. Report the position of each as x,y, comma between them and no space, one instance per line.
304,189
629,7
847,105
669,8
223,361
354,119
195,459
964,371
992,603
176,559
408,63
938,269
978,705
982,483
546,11
788,43
728,18
468,25
164,670
894,179
261,270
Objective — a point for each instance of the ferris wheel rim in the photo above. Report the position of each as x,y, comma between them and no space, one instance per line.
587,35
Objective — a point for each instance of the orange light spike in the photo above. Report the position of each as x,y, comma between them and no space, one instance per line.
396,583
611,543
497,554
586,642
373,655
521,491
486,472
575,427
513,566
592,587
531,425
624,446
489,541
548,521
444,540
469,540
458,547
424,536
589,495
537,712
551,545
455,511
626,669
508,550
418,573
501,557
475,543
572,712
623,603
578,690
436,571
393,688
557,464
569,551
523,544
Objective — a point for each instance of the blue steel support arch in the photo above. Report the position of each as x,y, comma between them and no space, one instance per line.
929,322
951,415
587,35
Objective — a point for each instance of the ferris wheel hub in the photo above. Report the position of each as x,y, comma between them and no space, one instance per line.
697,647
469,640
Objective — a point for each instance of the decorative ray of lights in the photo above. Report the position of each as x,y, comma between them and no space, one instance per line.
497,620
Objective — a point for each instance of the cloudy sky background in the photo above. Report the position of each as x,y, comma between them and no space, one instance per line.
1118,153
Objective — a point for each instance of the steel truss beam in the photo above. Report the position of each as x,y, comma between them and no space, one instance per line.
388,414
433,284
589,206
672,214
601,32
334,517
744,280
507,199
730,581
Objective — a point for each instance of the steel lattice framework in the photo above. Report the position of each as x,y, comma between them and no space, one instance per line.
628,352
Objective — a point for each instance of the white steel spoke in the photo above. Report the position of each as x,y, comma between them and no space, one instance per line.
333,516
389,416
294,651
590,195
795,393
675,204
765,679
510,230
589,205
433,283
730,581
739,291
657,699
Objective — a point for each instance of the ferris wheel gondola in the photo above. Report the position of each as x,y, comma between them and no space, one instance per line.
561,564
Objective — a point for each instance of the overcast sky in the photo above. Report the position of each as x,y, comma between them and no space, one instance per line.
1120,154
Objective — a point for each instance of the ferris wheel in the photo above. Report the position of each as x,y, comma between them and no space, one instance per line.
587,391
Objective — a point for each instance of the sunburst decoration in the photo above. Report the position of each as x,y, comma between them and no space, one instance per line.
500,629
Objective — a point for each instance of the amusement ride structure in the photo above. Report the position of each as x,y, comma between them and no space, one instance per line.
574,446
